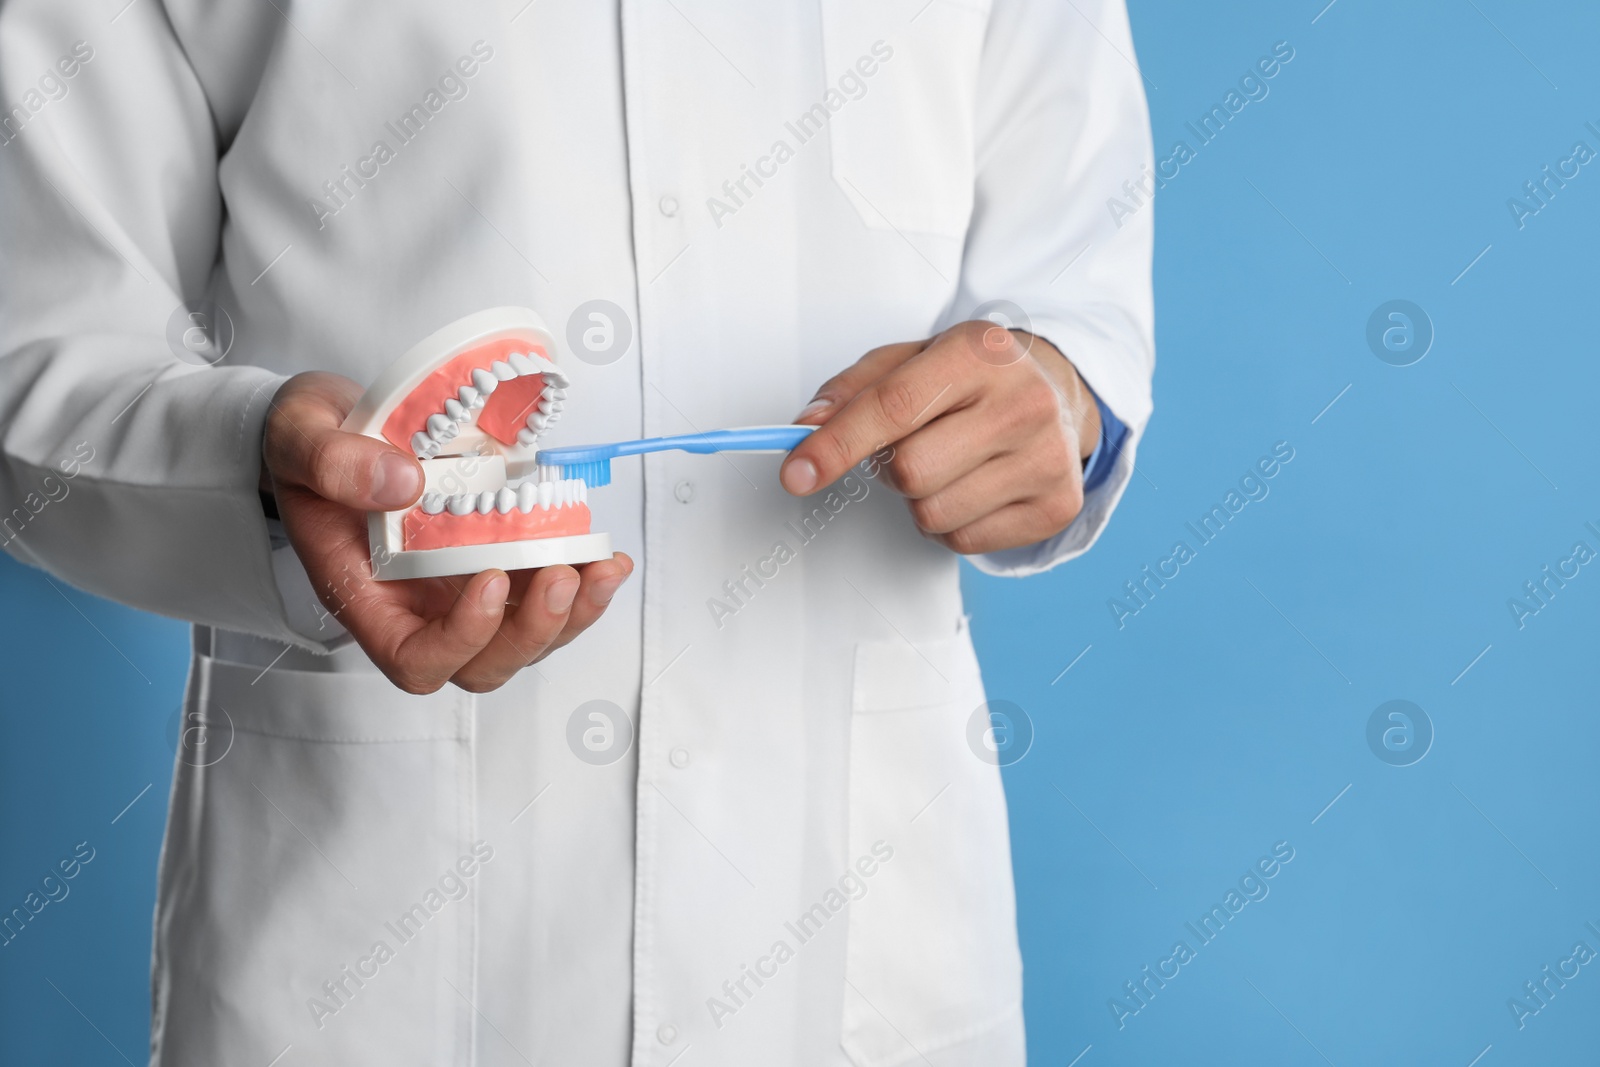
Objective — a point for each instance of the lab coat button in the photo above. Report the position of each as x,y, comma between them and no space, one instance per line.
684,491
680,758
669,206
667,1034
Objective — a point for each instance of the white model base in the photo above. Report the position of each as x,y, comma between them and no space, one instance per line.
504,555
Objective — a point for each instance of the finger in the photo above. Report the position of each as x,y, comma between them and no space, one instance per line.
921,388
525,632
556,605
600,583
305,447
1008,479
420,656
843,387
331,541
1025,522
1017,410
945,450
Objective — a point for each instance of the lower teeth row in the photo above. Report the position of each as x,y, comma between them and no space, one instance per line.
523,497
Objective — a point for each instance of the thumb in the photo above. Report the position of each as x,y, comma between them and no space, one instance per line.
843,387
305,447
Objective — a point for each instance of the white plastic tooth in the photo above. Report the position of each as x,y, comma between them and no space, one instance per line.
484,382
469,397
453,408
505,499
502,370
527,496
557,393
438,425
485,502
420,442
548,368
432,503
547,492
462,503
527,437
522,364
546,405
538,421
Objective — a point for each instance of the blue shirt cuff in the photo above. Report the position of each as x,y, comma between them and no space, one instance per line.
1104,457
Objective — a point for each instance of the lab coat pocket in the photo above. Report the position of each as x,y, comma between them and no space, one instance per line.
317,882
900,109
932,956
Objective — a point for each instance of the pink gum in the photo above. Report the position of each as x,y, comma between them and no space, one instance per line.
411,414
421,530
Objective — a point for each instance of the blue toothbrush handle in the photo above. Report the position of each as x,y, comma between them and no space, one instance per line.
747,439
592,463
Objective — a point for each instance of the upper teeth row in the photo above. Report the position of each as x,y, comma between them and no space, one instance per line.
524,496
459,409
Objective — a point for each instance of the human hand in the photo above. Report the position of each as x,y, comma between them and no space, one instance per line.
989,429
474,631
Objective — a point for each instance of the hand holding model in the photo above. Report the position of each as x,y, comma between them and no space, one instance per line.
989,427
475,631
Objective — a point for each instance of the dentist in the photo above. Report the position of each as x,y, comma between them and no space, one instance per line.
578,815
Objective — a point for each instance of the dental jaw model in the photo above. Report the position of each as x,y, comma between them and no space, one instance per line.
472,403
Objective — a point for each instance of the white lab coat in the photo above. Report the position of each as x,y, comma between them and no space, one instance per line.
800,771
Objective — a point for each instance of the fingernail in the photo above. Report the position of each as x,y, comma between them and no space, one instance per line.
558,598
494,594
800,476
816,407
396,481
603,591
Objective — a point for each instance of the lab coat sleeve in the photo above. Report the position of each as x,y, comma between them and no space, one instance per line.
1061,126
124,470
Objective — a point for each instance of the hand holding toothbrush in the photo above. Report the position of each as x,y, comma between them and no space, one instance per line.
989,427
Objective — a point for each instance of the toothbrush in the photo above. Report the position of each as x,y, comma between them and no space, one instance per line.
592,463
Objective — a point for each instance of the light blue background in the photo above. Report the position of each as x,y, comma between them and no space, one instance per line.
1228,713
